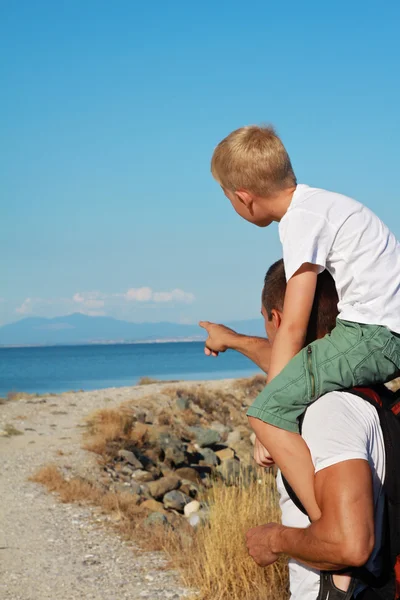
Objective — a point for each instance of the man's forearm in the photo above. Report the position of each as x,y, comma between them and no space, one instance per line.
257,349
310,548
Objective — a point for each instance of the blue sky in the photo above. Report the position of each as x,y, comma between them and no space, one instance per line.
109,113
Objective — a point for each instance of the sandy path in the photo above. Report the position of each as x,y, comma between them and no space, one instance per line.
50,550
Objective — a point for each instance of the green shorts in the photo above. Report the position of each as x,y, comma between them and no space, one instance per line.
352,355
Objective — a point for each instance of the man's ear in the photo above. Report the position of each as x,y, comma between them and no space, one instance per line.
276,317
245,198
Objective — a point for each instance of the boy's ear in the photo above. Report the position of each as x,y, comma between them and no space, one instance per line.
245,197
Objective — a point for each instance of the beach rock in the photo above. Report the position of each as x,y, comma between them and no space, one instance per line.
191,507
229,470
175,456
142,476
163,485
244,451
176,500
198,518
206,437
135,488
153,506
233,437
222,429
209,457
156,519
130,458
182,403
225,453
126,470
189,488
166,440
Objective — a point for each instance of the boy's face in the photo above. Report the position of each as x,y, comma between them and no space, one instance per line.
249,208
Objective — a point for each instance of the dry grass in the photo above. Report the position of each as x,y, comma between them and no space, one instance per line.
20,396
147,381
11,430
228,407
213,558
217,563
106,426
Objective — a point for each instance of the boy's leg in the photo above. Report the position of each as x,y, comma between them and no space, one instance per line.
351,355
290,452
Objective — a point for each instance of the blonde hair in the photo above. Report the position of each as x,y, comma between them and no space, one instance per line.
254,159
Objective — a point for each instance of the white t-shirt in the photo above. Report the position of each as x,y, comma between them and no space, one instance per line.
351,242
338,427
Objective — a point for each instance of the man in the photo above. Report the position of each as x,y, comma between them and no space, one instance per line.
346,444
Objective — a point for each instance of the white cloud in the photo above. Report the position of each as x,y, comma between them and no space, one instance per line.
143,294
97,303
25,308
89,299
174,296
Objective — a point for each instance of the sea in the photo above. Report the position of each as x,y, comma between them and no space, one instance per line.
64,368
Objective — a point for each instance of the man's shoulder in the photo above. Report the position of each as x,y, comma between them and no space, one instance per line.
340,426
338,405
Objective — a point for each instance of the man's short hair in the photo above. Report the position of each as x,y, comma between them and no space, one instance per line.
254,159
324,310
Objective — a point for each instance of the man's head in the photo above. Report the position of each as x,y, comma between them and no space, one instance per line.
253,167
324,310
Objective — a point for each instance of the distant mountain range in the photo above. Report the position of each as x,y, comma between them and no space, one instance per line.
82,329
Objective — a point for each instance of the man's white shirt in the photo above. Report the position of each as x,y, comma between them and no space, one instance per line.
338,427
345,237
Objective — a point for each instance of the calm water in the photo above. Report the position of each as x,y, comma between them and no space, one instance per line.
62,368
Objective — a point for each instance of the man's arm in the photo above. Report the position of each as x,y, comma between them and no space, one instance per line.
299,298
221,338
342,537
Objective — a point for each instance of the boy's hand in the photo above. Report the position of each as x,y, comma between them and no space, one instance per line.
219,338
261,455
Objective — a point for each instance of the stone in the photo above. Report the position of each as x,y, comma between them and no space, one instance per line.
127,470
190,489
189,473
191,507
206,437
175,456
135,488
142,476
244,451
130,458
163,485
222,429
153,506
225,453
230,471
253,438
176,500
182,403
156,519
233,437
198,518
209,457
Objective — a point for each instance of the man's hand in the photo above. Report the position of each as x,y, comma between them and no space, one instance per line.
219,338
261,455
259,541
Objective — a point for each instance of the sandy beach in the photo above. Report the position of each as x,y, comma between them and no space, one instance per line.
49,549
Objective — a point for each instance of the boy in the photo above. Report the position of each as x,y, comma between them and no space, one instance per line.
318,229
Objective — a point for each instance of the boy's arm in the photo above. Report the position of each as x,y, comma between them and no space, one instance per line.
221,338
299,298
